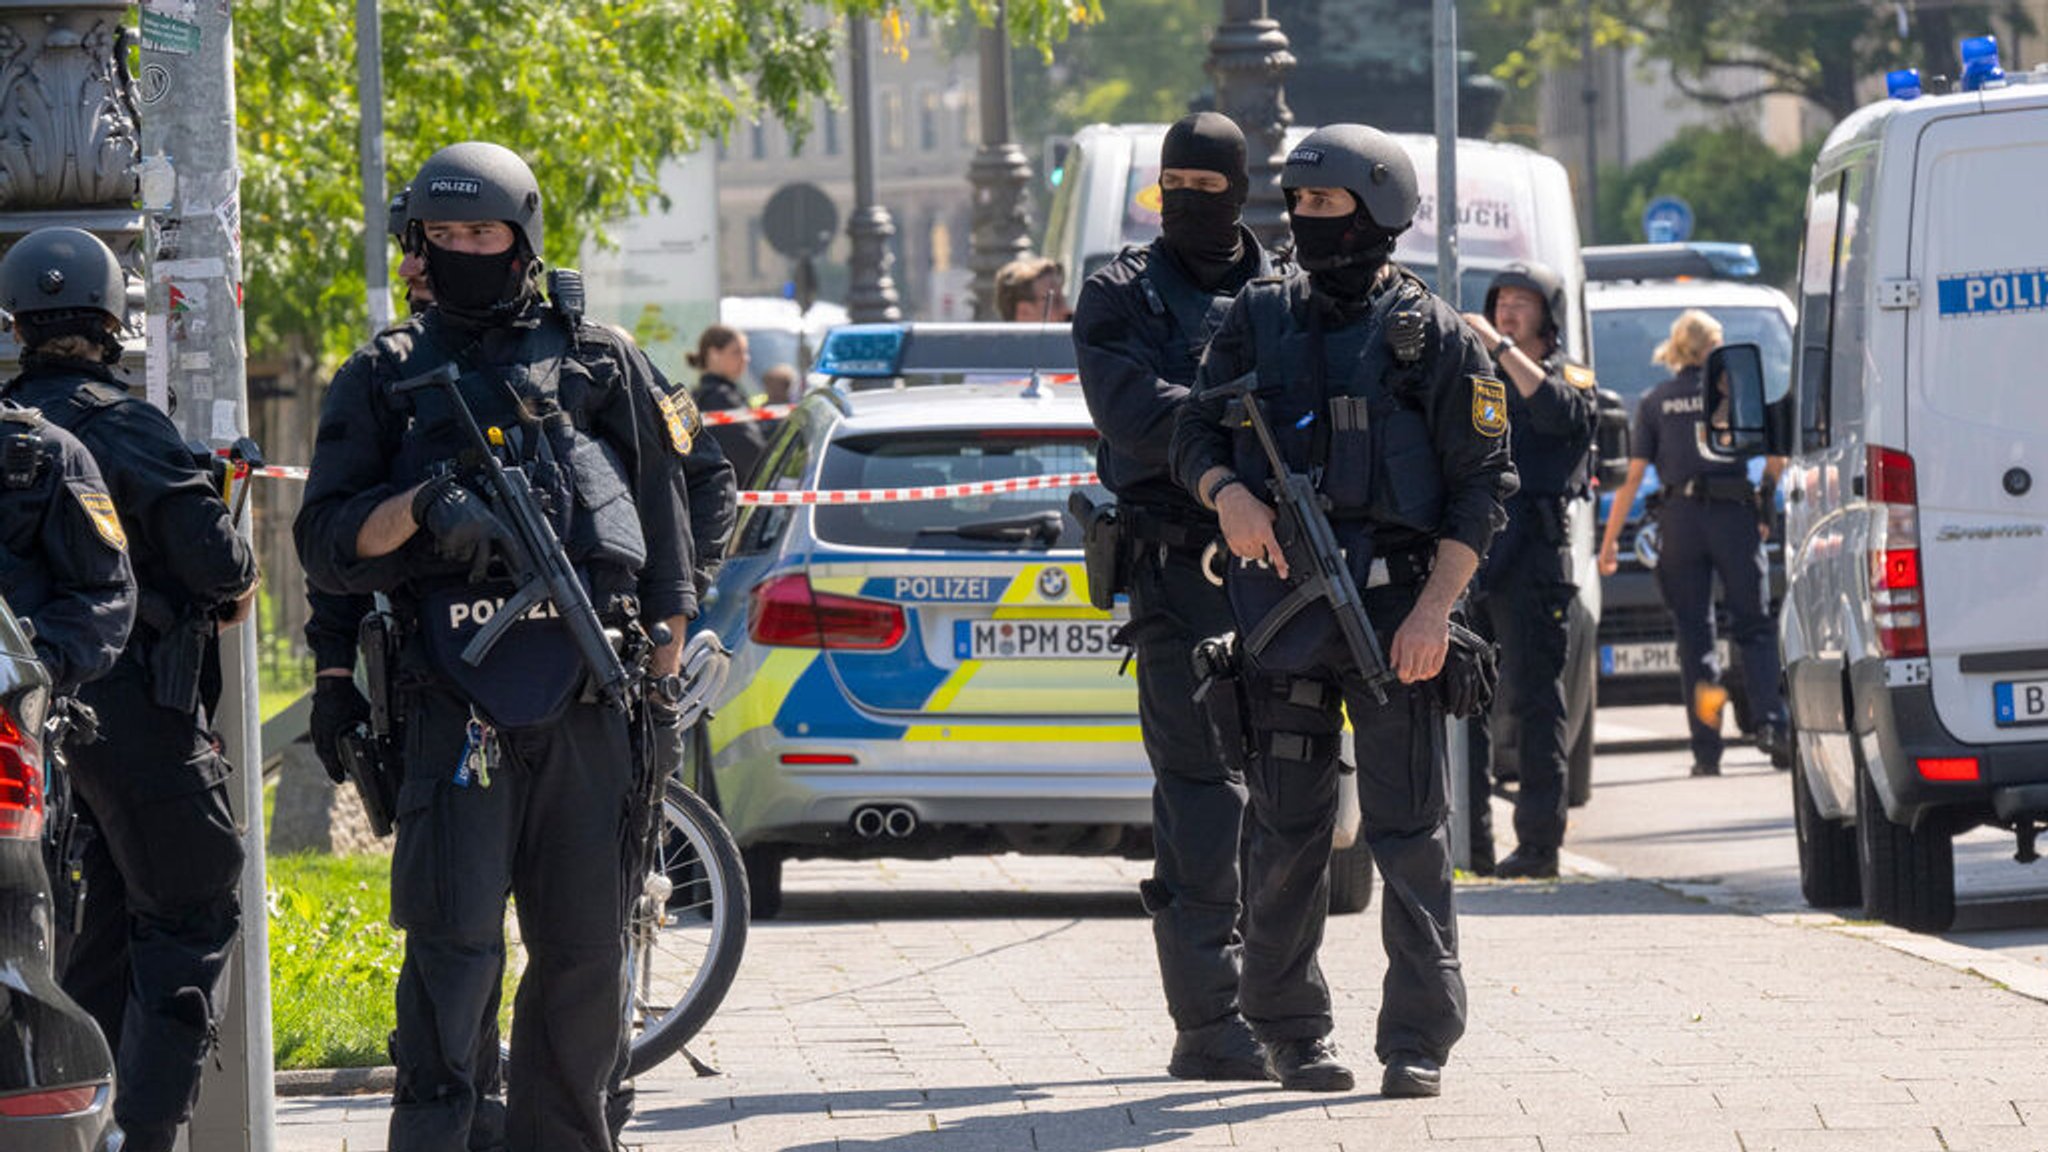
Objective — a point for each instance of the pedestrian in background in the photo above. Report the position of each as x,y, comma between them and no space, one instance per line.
1523,594
1032,290
721,361
1711,521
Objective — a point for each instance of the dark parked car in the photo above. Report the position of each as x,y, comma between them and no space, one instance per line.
56,1077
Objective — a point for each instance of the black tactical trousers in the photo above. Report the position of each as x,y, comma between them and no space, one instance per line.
162,907
1197,805
1704,539
1403,794
1527,610
550,830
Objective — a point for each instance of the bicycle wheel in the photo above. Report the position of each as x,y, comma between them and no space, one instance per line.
685,932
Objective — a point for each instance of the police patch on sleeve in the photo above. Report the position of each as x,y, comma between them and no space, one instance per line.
1489,406
100,508
679,412
1578,376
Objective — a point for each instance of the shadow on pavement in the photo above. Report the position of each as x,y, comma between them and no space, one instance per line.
865,905
1116,1122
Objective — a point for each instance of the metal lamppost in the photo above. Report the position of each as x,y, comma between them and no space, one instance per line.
1000,173
871,293
1248,60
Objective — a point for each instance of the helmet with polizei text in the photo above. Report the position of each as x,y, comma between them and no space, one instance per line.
477,180
1366,162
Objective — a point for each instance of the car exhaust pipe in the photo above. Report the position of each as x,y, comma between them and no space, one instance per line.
900,823
868,823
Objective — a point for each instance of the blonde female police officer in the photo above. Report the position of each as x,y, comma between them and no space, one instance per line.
1409,439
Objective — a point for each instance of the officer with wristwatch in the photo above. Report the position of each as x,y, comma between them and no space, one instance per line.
1523,594
516,778
1374,386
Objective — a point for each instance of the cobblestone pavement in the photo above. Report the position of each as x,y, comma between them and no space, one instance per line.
987,1005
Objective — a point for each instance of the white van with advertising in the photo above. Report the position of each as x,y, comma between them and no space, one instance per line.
1514,205
1914,639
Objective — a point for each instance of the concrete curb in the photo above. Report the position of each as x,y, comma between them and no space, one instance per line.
337,1081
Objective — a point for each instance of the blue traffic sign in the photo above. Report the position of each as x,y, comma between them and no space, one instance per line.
1667,220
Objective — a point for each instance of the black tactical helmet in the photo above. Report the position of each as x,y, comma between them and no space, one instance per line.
475,180
61,273
1537,278
395,218
1364,161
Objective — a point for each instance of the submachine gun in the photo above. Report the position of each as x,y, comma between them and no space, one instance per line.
1310,545
540,566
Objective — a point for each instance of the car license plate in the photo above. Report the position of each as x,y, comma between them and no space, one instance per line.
1646,659
1034,639
2020,702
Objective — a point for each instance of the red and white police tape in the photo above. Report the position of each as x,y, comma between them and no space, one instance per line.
848,495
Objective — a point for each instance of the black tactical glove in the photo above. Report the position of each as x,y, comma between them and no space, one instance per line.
1470,673
337,707
462,525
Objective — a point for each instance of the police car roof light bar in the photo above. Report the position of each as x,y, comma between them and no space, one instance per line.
1903,83
1706,259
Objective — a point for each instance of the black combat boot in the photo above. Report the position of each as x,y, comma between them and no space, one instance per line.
1412,1074
1308,1065
1527,863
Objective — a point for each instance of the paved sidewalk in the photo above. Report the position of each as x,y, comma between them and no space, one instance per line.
1012,1004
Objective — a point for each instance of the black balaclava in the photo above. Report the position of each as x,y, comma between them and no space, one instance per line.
475,287
1343,255
1204,229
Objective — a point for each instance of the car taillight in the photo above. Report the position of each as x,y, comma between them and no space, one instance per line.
21,782
789,613
49,1102
1953,769
1896,592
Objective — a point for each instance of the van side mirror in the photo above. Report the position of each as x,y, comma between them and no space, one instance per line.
1611,440
1732,397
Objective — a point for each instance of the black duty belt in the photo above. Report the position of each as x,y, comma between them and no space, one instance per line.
1718,490
1177,532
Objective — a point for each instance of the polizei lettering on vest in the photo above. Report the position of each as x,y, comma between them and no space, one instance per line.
477,613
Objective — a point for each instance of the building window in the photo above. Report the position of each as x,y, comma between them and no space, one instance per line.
754,248
969,131
894,131
760,140
828,119
928,120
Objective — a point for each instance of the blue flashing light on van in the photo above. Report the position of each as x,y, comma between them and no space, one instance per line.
1980,63
1903,83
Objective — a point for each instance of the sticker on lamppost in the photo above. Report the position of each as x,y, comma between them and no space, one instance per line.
1667,220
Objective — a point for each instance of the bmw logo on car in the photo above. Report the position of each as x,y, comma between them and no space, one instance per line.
1052,583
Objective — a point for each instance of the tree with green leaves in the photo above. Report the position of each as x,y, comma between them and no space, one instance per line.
596,94
1739,189
1819,50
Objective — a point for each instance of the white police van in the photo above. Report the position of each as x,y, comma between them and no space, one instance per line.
1914,637
1514,205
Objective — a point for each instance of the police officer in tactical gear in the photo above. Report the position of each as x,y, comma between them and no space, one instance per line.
150,958
1523,594
67,573
517,779
1139,333
1713,522
1375,387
